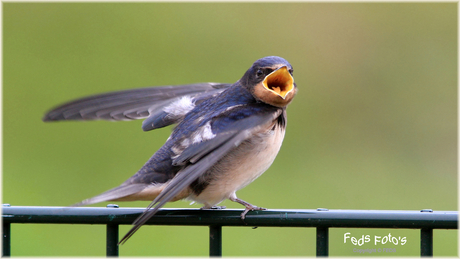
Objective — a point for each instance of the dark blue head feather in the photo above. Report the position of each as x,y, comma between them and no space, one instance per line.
265,66
270,61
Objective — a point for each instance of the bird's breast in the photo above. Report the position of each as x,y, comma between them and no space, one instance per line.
240,167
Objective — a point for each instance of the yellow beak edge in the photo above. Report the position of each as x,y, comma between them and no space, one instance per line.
279,82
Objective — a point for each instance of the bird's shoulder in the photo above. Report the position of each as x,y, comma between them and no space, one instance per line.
215,115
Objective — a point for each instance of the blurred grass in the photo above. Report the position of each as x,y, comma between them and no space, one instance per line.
374,125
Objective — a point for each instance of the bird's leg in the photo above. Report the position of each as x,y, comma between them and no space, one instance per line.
249,206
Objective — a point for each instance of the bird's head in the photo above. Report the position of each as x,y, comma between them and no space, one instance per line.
270,80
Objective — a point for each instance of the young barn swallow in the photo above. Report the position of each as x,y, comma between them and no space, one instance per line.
226,136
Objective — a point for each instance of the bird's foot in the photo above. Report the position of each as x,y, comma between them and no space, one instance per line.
249,207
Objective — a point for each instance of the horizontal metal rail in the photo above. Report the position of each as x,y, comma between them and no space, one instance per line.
322,219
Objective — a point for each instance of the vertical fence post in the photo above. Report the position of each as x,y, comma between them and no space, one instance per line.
112,240
322,241
426,242
215,241
112,236
6,239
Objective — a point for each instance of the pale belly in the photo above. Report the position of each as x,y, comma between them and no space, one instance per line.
241,167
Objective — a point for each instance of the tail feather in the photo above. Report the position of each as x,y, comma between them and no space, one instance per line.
113,194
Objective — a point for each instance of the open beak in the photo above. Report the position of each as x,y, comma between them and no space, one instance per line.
280,82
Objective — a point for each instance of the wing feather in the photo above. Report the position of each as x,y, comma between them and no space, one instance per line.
129,104
112,194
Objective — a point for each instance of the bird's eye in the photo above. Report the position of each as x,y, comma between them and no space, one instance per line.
259,73
291,71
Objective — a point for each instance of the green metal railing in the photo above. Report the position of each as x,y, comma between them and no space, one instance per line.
321,219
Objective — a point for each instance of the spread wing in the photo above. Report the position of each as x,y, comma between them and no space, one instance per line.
150,103
201,156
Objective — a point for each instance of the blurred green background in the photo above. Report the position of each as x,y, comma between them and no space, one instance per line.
374,124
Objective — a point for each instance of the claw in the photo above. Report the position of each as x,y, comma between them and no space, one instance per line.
249,206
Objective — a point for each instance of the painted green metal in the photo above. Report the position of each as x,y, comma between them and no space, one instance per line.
6,232
112,236
112,240
322,241
215,241
231,217
322,219
426,242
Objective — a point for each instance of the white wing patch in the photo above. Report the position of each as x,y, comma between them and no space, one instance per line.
203,133
180,107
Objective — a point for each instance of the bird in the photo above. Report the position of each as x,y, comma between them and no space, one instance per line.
225,136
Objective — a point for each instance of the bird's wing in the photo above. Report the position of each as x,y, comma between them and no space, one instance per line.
201,156
112,194
133,104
